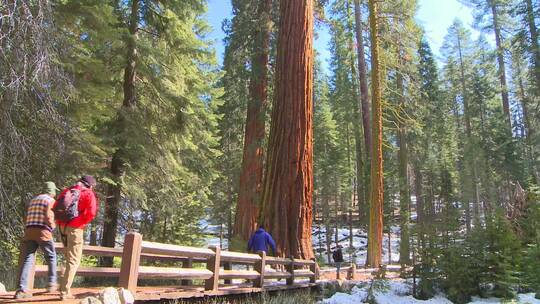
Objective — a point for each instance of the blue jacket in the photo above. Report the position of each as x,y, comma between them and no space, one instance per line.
260,240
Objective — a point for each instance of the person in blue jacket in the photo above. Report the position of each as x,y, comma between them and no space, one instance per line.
260,240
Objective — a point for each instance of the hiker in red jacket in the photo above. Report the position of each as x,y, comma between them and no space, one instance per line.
74,209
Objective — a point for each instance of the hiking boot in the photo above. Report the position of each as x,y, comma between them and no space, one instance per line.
22,295
53,287
66,296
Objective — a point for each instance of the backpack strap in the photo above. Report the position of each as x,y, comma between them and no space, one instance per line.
63,235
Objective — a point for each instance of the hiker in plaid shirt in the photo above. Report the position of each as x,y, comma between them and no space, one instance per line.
38,233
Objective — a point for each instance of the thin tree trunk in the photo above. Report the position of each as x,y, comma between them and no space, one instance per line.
362,72
328,230
375,236
251,176
288,184
404,197
529,131
117,168
420,209
472,161
363,110
535,49
502,69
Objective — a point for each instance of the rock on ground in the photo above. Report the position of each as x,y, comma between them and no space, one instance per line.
110,295
90,300
125,296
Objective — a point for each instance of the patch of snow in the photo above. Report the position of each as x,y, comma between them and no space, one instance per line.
400,291
528,298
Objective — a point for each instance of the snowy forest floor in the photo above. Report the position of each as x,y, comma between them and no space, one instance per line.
397,291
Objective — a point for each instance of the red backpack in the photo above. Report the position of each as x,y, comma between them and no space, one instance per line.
67,205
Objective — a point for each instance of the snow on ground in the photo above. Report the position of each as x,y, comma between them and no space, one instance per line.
399,291
526,298
359,249
359,244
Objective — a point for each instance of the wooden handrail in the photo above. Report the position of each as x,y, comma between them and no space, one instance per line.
135,249
175,250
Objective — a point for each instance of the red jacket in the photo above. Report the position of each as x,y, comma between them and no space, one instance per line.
87,207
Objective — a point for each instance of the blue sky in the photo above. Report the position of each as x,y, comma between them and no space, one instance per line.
435,16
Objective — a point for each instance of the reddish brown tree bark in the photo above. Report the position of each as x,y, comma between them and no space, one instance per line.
375,236
251,176
288,183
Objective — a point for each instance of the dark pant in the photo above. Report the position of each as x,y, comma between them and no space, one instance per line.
29,257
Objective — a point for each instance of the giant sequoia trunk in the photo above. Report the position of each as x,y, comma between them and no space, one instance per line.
288,183
251,176
500,61
375,236
117,168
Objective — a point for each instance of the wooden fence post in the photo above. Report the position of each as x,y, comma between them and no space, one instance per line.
290,269
315,269
131,256
259,266
213,263
188,263
227,266
351,274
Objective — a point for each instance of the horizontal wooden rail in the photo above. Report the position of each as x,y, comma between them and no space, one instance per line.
238,274
42,270
93,250
303,273
239,258
117,252
218,264
277,275
175,250
176,273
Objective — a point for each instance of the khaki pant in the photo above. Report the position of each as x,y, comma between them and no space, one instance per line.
73,257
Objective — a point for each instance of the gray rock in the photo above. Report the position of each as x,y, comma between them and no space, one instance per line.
125,296
110,295
2,288
90,300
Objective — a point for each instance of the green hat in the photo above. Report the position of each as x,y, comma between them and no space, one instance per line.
50,188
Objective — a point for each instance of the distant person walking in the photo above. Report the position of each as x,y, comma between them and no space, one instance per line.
260,240
337,255
38,234
74,209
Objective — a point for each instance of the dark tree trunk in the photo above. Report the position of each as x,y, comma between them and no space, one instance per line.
502,69
420,209
288,183
362,72
251,176
375,236
404,197
471,160
535,49
362,109
117,168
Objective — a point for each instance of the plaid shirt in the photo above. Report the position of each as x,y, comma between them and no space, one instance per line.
37,214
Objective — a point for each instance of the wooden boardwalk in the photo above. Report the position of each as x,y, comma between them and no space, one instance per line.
156,293
213,268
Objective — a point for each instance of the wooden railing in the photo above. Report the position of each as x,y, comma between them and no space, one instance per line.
135,250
